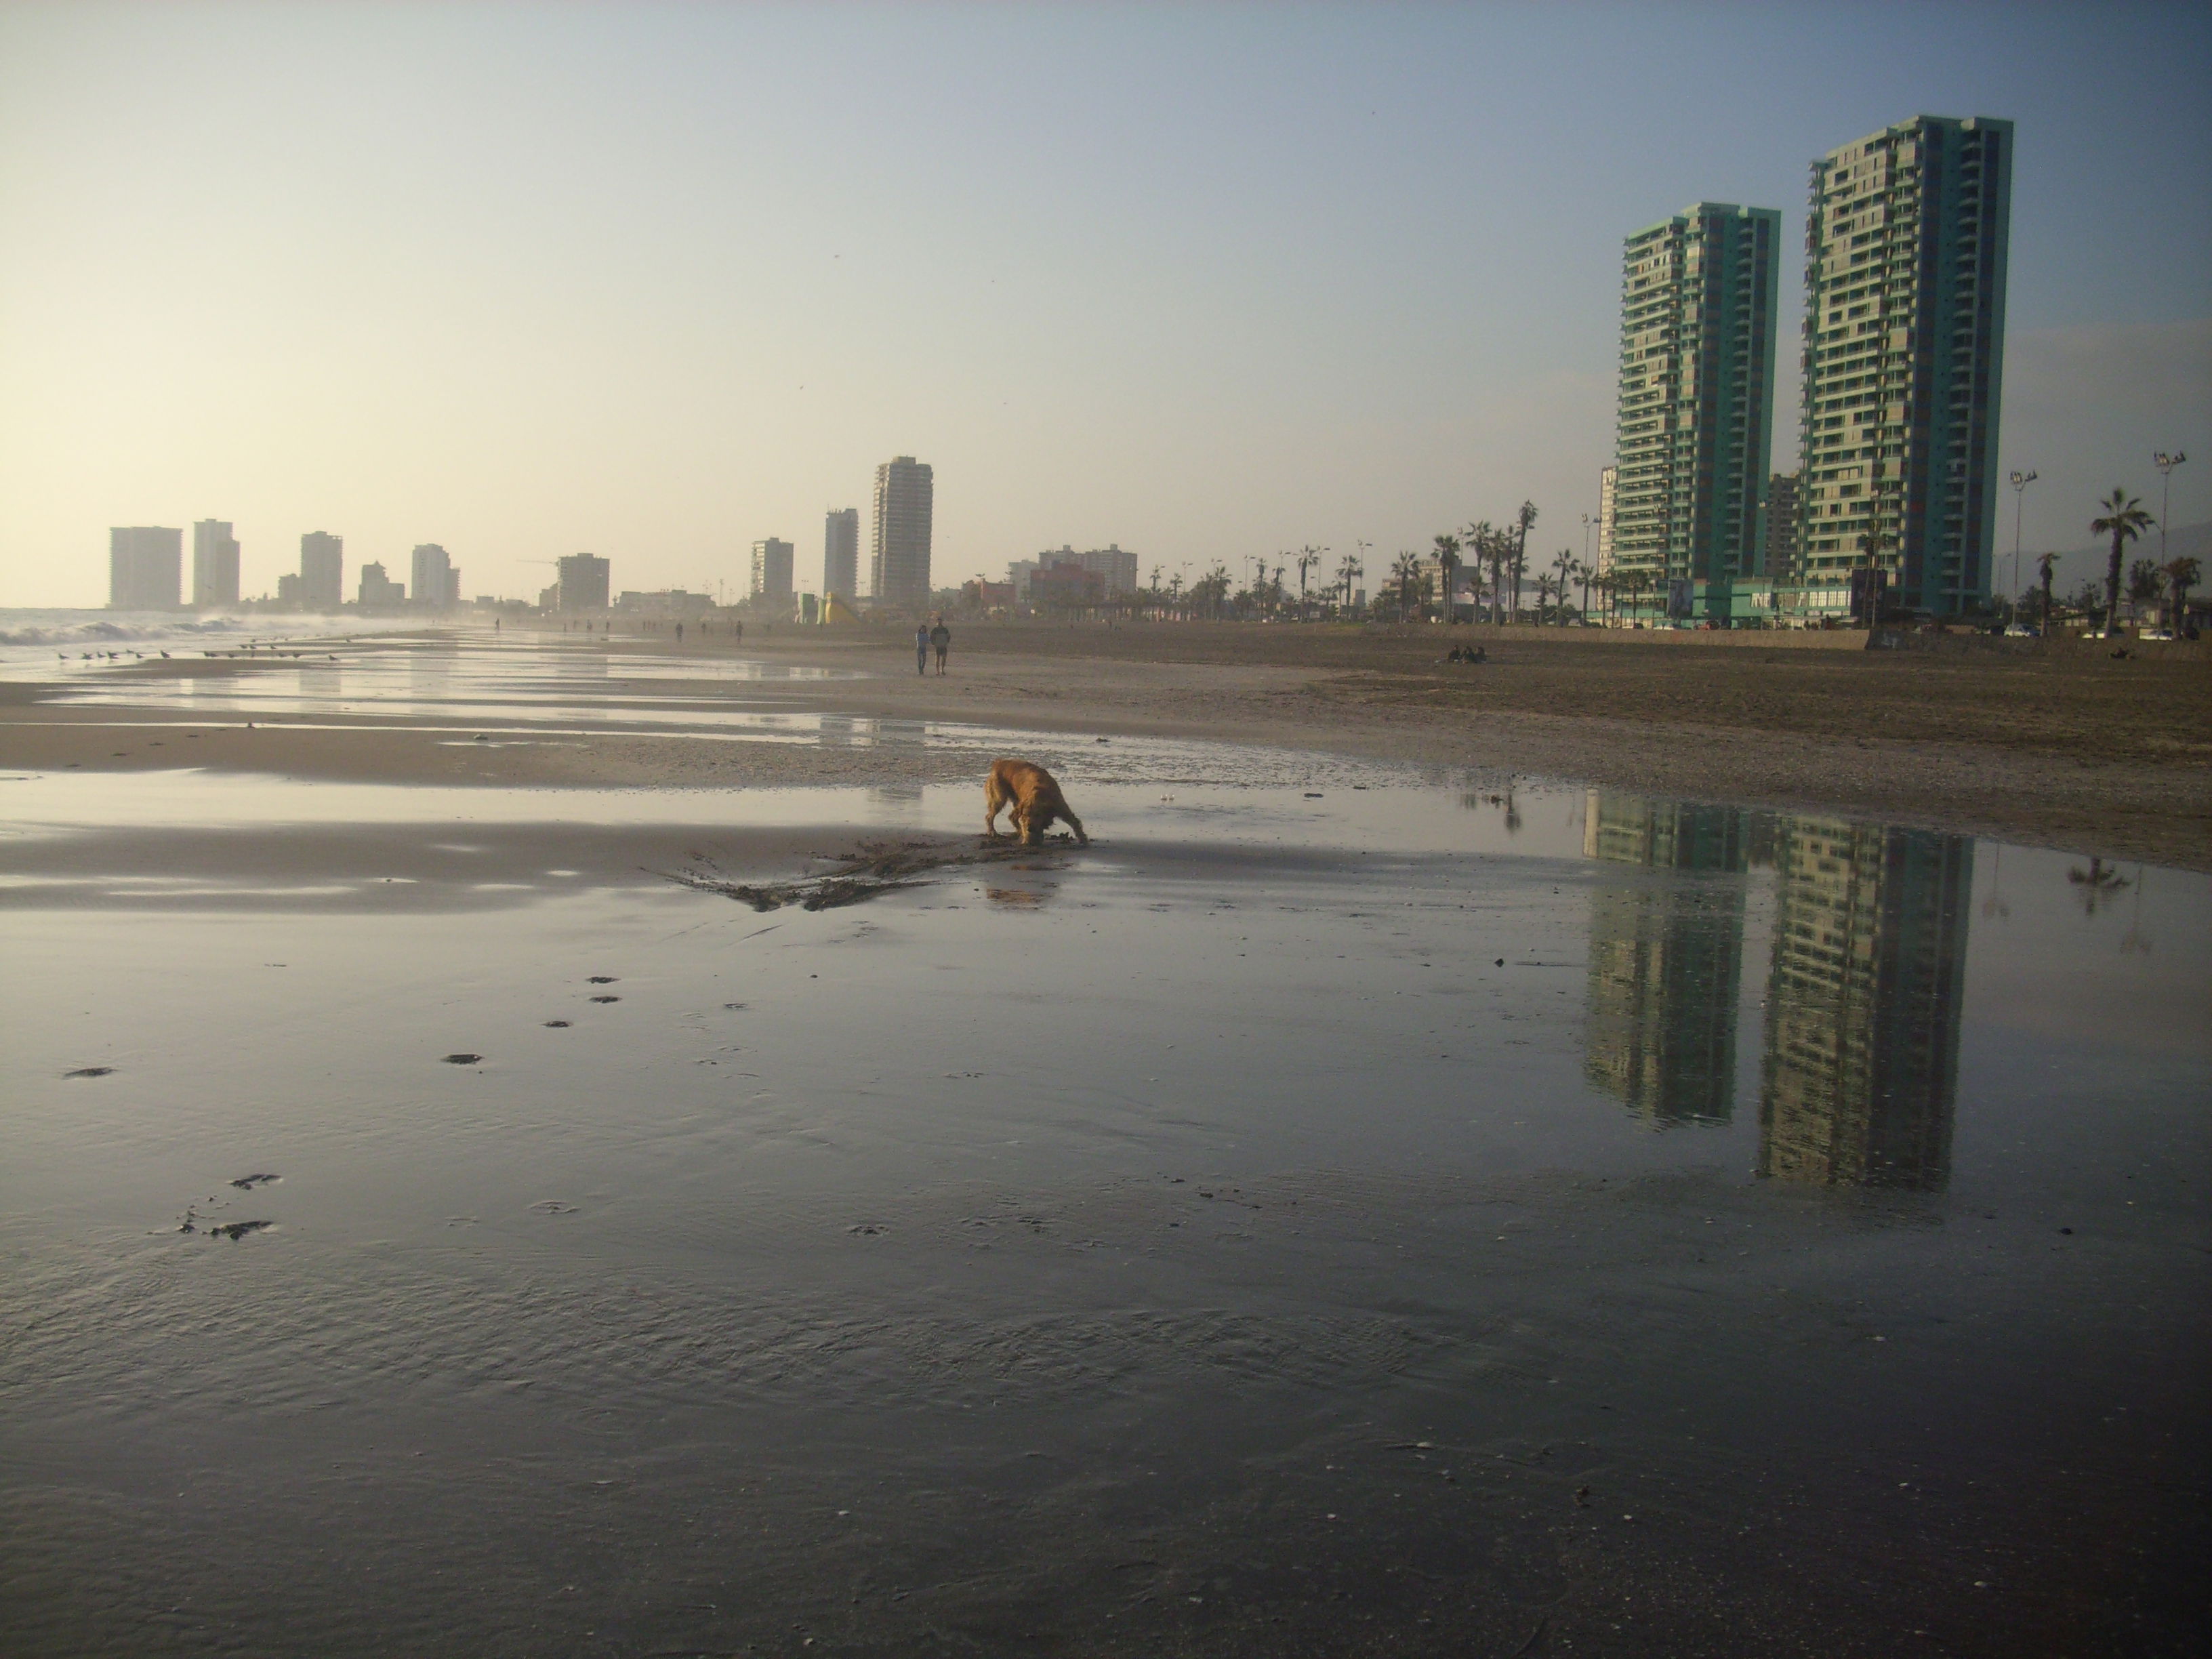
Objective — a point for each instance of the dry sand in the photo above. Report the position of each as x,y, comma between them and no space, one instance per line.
2068,749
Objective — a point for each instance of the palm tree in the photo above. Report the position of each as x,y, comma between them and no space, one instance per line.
1349,570
1873,542
1448,560
1407,569
2183,573
1564,566
2124,520
2045,562
1527,517
2146,581
1309,559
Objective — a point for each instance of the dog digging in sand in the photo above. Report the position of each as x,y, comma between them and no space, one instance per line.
1035,798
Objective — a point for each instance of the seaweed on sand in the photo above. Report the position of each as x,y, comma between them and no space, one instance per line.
874,867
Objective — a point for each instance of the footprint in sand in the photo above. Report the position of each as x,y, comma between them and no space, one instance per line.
606,999
553,1206
89,1070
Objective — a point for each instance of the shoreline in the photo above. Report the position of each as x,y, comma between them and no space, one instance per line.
2079,754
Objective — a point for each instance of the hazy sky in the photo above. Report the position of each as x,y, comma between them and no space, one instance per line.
1207,281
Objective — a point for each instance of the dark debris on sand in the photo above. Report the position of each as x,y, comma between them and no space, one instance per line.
876,867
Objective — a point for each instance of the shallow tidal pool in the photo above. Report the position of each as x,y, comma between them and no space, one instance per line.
1332,1214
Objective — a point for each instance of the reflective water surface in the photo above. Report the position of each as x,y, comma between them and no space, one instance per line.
1331,1214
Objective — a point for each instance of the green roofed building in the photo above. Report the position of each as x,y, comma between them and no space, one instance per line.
1696,415
1905,244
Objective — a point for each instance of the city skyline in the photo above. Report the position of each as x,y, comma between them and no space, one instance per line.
1304,263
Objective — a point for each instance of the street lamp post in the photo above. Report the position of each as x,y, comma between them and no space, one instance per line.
2020,484
2166,464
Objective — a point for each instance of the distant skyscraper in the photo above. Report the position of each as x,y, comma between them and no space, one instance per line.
1117,567
771,579
1906,245
437,583
379,592
322,571
1783,505
1609,494
898,566
215,563
1697,394
1666,955
583,582
1864,1004
840,552
145,569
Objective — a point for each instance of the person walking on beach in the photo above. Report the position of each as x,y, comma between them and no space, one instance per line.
941,637
921,649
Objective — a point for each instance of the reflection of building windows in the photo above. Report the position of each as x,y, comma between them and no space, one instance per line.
1863,999
1666,956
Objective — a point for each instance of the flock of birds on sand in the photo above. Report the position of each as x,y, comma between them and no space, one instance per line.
271,653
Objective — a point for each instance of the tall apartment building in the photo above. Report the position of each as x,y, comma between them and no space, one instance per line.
1697,394
322,571
1608,496
1906,245
898,564
1864,1004
437,582
1784,505
582,582
841,551
215,563
1117,566
771,582
145,569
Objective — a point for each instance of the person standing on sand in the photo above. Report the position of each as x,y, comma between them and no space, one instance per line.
921,649
941,637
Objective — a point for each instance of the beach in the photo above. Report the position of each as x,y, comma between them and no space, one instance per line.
2070,749
1439,1173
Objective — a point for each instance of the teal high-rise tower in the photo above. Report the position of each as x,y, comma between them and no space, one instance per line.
1905,301
1696,397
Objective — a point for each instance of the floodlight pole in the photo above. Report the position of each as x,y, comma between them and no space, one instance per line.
2020,484
2166,464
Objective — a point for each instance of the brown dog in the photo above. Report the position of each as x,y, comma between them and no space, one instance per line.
1036,798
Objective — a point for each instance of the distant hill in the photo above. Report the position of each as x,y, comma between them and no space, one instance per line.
2086,562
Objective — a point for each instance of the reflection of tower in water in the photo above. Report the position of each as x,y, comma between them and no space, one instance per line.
1863,1005
1666,955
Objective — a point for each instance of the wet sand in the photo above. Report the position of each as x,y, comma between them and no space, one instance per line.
2069,749
1338,1213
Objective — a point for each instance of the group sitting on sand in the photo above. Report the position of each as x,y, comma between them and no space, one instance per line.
1467,654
